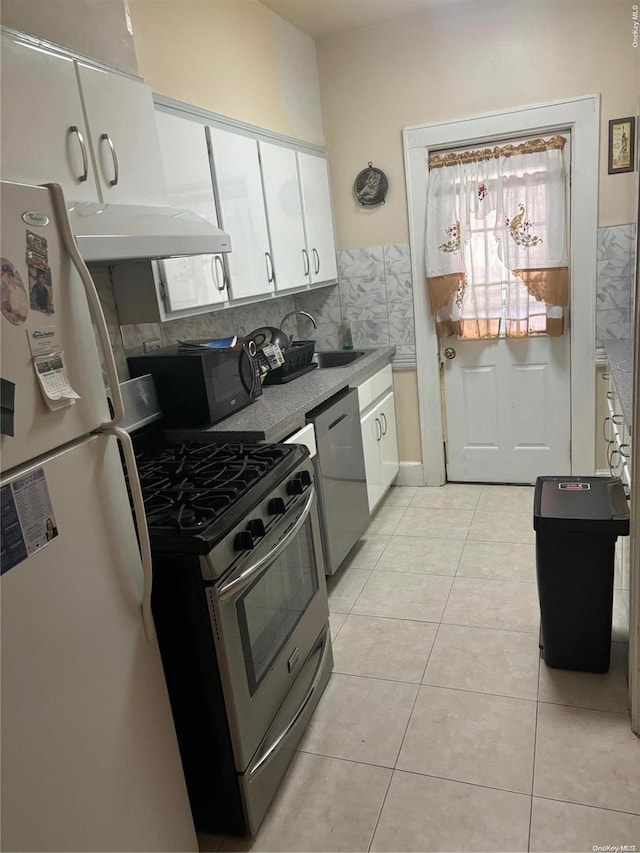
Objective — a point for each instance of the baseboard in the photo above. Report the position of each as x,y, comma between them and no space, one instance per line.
410,474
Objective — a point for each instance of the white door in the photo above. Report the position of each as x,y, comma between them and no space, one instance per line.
508,408
122,127
316,199
238,186
90,759
44,137
284,212
191,282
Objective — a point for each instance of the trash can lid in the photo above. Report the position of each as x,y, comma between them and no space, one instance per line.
581,505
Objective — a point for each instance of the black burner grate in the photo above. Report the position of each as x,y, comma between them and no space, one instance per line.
188,487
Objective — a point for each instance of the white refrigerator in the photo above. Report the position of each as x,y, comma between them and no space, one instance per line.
89,756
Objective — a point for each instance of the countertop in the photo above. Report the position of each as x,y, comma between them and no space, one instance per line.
620,358
282,408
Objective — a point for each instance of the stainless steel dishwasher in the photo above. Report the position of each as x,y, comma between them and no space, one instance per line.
342,487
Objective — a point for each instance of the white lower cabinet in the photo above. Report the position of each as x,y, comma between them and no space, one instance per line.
379,434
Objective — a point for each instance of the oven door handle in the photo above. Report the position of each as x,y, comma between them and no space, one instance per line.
264,758
233,586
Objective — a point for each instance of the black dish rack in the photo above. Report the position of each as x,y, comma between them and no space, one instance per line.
297,361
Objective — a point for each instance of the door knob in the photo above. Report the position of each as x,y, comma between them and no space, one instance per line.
449,352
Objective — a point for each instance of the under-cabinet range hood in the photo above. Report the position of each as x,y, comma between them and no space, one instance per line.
126,232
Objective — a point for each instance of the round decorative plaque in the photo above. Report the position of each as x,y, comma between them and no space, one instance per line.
371,186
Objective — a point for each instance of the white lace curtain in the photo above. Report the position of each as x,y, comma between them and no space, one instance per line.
496,245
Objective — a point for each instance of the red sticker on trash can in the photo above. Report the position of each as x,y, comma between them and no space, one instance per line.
575,487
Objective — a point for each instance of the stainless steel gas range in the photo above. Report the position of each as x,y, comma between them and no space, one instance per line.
240,607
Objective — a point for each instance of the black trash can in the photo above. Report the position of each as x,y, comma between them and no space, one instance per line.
577,521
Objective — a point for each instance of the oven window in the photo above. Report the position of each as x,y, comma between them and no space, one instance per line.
270,610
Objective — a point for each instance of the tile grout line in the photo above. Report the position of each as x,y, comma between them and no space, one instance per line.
535,745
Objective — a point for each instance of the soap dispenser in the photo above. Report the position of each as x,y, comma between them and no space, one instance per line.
347,337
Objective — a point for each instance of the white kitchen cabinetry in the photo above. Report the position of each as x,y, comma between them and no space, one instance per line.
379,434
44,137
239,193
122,130
90,130
316,202
196,282
284,215
617,433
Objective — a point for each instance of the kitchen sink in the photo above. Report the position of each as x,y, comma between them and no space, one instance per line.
337,358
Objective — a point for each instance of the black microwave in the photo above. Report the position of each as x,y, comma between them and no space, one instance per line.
197,387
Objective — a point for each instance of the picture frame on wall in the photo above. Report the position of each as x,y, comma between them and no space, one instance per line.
622,143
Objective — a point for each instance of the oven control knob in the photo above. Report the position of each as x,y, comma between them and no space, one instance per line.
305,478
295,487
276,506
256,527
243,541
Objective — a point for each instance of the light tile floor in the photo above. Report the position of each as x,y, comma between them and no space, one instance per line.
441,728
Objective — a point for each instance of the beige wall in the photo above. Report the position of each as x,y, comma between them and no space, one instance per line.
405,388
463,59
233,57
96,28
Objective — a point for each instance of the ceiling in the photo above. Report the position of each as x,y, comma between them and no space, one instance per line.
318,18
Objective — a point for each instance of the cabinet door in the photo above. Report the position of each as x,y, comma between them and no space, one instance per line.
238,187
316,199
389,442
122,127
371,444
43,130
193,282
284,215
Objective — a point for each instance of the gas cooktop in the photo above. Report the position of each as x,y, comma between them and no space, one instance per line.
194,493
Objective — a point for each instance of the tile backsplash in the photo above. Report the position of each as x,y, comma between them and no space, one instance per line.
615,282
374,295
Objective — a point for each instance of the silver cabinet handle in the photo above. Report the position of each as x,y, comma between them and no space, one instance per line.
604,429
269,751
384,418
141,524
116,170
618,422
379,432
218,264
305,259
247,576
611,395
83,150
606,376
269,263
622,453
317,260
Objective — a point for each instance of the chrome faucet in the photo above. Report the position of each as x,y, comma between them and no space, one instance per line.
304,314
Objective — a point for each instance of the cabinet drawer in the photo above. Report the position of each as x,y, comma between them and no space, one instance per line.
372,389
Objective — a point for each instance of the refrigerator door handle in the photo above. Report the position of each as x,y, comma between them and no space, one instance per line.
141,523
94,302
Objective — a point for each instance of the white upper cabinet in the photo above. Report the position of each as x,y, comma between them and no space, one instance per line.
122,130
284,214
44,137
199,281
316,201
238,187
